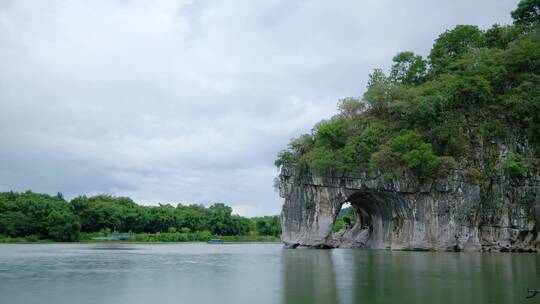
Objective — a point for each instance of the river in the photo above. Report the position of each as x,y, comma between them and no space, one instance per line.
258,273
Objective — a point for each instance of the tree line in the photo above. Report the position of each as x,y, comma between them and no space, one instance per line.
43,216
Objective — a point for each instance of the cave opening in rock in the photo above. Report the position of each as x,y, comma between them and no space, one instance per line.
345,218
366,221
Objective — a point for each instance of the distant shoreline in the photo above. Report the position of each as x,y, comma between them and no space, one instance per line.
176,237
129,242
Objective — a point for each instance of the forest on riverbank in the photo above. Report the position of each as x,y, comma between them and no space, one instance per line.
33,217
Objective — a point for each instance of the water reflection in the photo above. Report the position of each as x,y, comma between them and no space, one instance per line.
355,276
113,246
309,277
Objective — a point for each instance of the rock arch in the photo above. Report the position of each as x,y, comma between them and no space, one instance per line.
449,214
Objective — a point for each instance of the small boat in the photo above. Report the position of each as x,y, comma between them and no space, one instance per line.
114,238
119,238
215,241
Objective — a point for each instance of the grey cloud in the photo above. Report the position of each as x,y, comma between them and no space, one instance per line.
190,101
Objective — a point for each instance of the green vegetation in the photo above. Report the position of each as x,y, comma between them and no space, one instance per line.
475,88
345,217
517,166
30,217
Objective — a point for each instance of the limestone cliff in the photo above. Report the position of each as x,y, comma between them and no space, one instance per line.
439,153
455,213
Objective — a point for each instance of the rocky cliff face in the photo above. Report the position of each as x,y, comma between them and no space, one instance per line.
408,213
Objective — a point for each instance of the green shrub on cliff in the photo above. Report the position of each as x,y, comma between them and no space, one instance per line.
414,153
475,87
517,166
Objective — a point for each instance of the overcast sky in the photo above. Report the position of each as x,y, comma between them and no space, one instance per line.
190,101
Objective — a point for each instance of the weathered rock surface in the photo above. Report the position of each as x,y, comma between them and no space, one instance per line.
409,213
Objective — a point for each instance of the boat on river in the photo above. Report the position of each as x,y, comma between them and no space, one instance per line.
215,241
114,238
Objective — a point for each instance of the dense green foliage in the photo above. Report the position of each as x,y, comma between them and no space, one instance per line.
527,12
51,217
517,166
475,88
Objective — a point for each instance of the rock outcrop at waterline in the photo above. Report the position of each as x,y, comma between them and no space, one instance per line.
409,213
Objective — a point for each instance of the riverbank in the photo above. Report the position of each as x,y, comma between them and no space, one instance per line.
163,237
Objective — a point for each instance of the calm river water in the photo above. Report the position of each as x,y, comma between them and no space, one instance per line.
258,273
